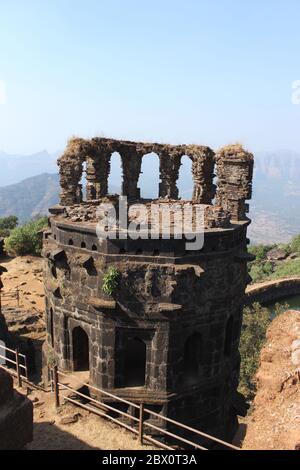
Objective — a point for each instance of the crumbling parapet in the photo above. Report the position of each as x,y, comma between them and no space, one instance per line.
232,164
234,171
96,153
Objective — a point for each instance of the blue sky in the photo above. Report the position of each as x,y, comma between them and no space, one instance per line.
207,72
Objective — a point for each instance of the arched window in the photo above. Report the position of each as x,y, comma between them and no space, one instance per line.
83,181
116,175
80,349
192,358
135,363
185,182
228,337
149,177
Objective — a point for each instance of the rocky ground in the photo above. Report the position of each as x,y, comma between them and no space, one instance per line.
274,421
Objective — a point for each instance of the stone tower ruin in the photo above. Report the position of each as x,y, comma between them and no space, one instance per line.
168,336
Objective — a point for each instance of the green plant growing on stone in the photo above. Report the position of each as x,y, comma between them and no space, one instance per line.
110,281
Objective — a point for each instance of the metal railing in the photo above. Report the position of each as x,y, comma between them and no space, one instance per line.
17,363
138,425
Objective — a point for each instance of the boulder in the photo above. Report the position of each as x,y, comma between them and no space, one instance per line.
276,254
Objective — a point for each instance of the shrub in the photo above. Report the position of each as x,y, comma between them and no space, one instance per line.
26,240
110,281
287,268
295,244
255,323
7,224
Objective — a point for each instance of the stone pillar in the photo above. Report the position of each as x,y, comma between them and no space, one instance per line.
203,174
169,164
97,171
70,175
70,170
98,168
235,172
131,162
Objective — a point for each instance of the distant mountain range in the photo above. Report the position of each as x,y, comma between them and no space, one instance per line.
274,209
30,197
15,168
275,206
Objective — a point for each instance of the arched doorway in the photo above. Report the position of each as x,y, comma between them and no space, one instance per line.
135,363
192,358
80,350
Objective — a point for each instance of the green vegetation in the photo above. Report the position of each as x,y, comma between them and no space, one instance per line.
263,269
256,321
295,245
110,281
26,240
7,224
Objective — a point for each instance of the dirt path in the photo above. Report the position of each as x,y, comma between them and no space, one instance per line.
86,432
26,274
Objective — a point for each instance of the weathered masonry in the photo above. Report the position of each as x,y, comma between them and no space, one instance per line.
169,334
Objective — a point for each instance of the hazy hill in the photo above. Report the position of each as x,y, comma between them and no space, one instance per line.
30,197
275,207
15,168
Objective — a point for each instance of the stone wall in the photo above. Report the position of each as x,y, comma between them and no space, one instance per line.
16,416
271,291
165,297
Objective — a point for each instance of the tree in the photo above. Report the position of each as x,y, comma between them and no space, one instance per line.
7,224
26,240
295,244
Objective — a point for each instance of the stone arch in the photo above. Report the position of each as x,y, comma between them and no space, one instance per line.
150,176
185,181
81,347
228,337
192,358
115,179
135,363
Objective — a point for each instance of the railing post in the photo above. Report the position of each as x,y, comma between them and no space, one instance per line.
25,364
141,423
56,386
18,367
